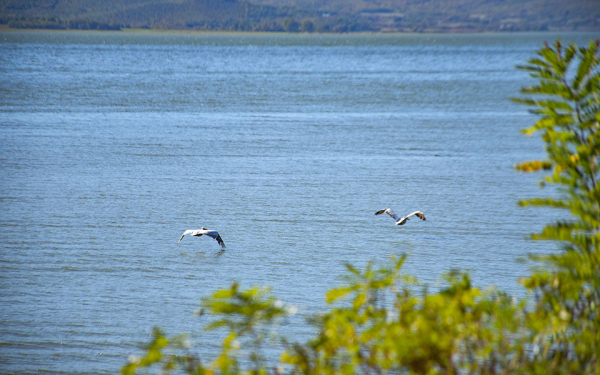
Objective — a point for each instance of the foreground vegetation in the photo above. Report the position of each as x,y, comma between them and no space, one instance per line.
377,324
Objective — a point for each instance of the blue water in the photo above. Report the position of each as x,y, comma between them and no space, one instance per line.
111,145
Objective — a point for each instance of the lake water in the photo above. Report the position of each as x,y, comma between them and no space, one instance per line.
111,145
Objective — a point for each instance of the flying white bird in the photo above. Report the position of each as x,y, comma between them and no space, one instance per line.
401,220
200,232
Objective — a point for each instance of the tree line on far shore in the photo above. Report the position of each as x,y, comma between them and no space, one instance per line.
300,15
287,24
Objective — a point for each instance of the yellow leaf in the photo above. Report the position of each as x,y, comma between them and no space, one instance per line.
337,293
359,300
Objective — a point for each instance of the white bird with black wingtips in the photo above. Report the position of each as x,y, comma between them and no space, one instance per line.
401,220
200,232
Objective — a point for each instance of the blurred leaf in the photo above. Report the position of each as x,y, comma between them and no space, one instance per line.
337,293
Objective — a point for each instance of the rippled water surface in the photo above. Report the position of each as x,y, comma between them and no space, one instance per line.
112,144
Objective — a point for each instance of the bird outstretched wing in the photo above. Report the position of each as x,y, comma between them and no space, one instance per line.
419,214
190,231
389,212
214,234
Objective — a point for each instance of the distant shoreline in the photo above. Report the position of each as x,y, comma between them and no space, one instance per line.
4,28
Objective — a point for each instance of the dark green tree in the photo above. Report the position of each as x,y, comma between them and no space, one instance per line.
290,25
307,26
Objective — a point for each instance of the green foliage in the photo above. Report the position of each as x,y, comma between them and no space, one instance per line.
377,324
153,354
460,328
567,99
250,317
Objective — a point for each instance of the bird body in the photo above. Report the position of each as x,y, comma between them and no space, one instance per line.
200,232
401,220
